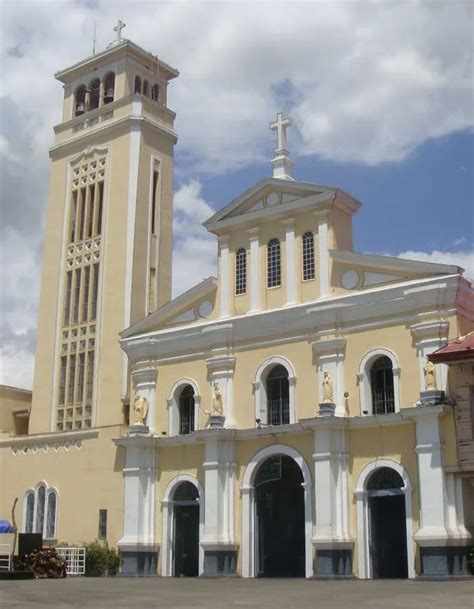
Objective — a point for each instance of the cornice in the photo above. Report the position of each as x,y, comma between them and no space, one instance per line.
380,307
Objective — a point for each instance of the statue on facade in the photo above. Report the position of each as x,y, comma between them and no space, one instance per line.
140,409
328,396
217,405
430,376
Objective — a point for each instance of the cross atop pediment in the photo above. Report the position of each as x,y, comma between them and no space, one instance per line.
281,163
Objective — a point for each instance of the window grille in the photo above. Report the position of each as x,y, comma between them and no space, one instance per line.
62,380
51,516
99,211
153,202
137,88
77,296
82,214
85,295
278,396
40,505
186,491
80,379
30,511
90,377
241,271
186,410
72,232
90,213
308,256
381,382
384,478
273,263
102,524
72,379
67,300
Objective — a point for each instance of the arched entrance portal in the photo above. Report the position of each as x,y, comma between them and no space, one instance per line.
387,524
280,511
186,530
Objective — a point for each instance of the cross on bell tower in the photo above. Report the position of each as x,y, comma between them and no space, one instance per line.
281,163
118,28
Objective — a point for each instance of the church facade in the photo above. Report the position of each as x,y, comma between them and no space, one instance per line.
282,419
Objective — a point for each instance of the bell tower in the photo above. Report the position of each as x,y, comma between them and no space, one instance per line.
108,235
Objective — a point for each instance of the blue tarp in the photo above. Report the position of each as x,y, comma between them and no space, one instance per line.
6,527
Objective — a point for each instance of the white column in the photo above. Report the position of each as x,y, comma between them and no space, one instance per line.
323,253
255,279
221,371
139,503
329,355
290,249
144,382
219,476
432,531
224,278
429,337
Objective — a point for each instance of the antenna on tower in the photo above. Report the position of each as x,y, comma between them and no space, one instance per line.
94,37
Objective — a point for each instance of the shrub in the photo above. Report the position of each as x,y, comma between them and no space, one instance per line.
101,560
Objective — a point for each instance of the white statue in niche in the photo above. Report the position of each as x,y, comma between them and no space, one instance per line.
328,396
430,376
140,409
217,405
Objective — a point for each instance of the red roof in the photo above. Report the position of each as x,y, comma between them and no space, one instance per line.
461,348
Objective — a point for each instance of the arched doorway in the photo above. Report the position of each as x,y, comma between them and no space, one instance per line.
186,530
387,524
280,518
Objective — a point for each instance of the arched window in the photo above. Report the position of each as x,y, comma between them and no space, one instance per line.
29,512
40,505
155,92
186,410
273,264
308,256
40,509
278,396
145,87
109,88
80,101
241,271
381,384
137,87
94,94
186,491
51,516
384,478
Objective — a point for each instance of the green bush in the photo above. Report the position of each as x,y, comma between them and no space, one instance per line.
101,560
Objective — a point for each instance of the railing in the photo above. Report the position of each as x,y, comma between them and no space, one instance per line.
278,412
5,556
75,560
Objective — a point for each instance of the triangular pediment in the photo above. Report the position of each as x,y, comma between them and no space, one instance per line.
195,304
270,196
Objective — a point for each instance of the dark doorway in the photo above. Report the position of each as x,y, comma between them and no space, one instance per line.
186,531
388,533
280,518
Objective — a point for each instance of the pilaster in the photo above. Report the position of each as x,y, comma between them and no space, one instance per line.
144,383
323,252
221,371
442,537
254,240
290,259
138,543
224,277
218,542
329,355
331,538
429,337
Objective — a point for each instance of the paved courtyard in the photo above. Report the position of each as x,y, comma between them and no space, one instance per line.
118,593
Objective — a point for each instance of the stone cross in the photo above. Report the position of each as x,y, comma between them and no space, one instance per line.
280,126
118,28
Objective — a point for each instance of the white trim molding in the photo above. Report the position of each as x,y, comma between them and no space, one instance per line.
224,276
362,510
260,388
48,492
173,405
255,265
168,534
249,532
365,390
290,261
323,253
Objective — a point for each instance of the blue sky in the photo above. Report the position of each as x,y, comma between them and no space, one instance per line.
381,94
422,203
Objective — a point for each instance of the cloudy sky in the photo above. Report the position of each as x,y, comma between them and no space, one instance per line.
381,94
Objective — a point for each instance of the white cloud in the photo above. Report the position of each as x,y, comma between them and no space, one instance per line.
464,259
195,250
